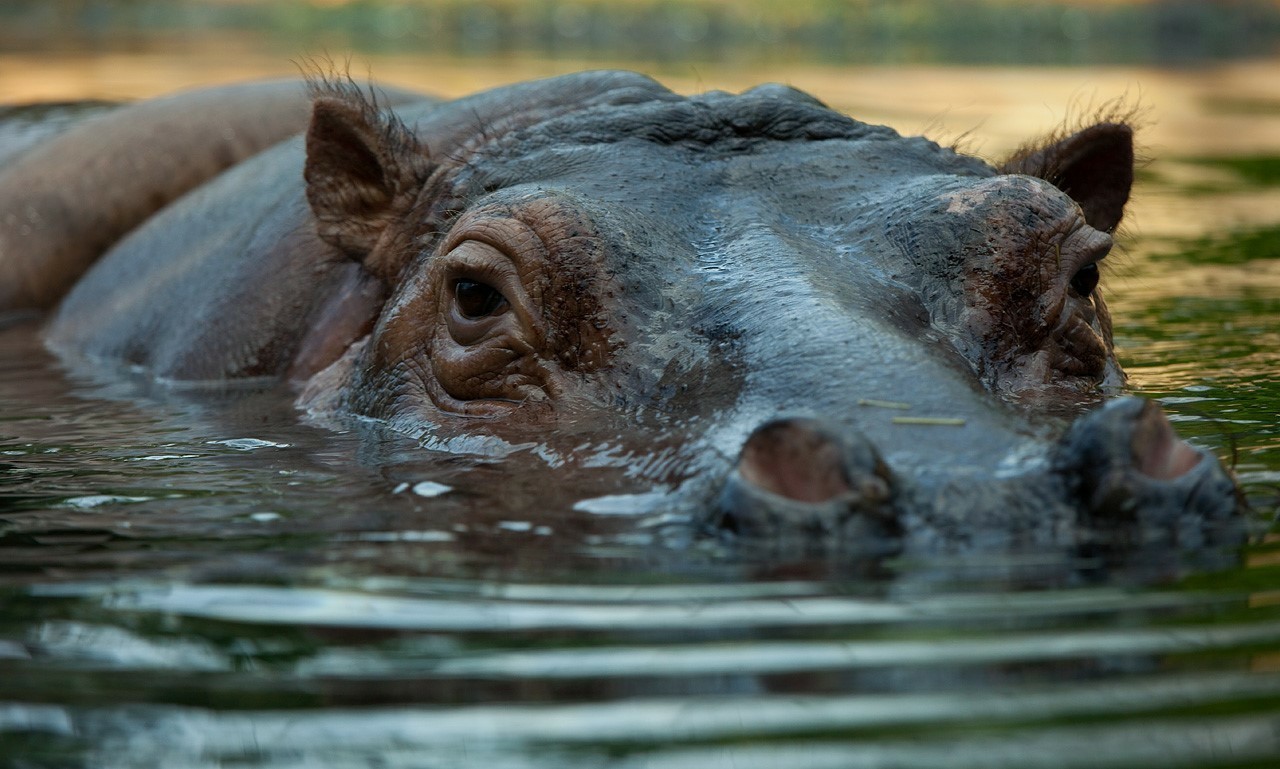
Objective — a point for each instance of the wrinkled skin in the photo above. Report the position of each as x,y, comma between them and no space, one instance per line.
755,284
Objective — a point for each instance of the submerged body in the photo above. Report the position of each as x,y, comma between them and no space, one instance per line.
831,335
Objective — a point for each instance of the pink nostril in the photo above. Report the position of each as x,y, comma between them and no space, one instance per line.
1158,452
793,459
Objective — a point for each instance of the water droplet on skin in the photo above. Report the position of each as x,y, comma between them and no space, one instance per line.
249,444
621,504
430,489
98,500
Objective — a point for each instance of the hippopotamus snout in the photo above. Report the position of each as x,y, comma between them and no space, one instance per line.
1119,474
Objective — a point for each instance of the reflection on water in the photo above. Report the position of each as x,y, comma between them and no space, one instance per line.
192,580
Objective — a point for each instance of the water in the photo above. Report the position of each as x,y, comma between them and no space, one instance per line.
198,580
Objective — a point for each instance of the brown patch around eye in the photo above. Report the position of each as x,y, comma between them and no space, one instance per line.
476,300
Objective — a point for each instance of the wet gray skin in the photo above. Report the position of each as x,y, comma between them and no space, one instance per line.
810,332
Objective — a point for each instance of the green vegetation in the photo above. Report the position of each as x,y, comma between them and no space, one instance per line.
1263,171
1241,106
1231,248
853,31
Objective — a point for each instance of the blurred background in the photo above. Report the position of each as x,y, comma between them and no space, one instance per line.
748,32
945,66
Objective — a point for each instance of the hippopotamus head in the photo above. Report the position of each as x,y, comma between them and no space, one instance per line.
803,326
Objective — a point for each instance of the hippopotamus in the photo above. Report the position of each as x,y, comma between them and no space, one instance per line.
794,325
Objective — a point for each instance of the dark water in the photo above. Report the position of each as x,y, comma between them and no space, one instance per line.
191,579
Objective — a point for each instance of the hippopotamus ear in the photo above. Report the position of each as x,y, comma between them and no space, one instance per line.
1094,166
364,169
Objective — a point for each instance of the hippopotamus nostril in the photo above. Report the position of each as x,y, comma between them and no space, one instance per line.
794,459
1156,449
1129,467
798,481
1126,438
799,460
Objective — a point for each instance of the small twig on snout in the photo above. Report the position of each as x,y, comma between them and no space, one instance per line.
948,421
883,404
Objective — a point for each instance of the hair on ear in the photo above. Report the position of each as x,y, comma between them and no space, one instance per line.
1093,162
364,165
366,99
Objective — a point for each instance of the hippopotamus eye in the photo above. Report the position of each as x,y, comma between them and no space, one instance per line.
477,300
1086,279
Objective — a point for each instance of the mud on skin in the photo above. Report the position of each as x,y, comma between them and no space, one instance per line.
803,330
